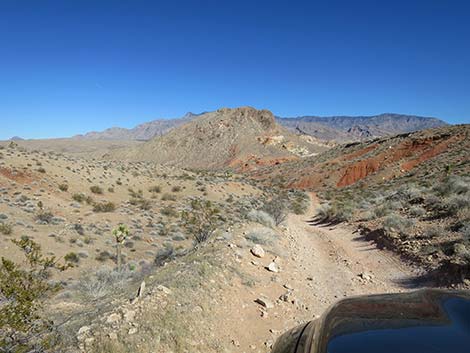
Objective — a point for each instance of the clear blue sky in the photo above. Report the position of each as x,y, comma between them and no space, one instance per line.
72,66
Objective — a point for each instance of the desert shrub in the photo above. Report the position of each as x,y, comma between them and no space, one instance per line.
299,202
336,212
176,188
433,231
456,203
24,290
324,211
381,210
41,170
201,219
142,203
104,256
168,197
453,185
417,211
135,194
63,187
110,189
6,228
79,197
44,216
277,208
104,207
165,255
262,236
261,217
71,257
95,189
103,282
396,223
169,211
465,231
155,189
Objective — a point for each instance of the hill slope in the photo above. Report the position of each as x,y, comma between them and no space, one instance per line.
353,128
375,161
240,138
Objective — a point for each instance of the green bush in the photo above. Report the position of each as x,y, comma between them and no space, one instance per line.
72,257
63,187
5,228
95,189
299,202
277,209
155,189
24,290
201,219
82,197
104,207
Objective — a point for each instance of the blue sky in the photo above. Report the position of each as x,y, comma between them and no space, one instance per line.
68,67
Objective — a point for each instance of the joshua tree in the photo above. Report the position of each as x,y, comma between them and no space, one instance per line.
121,232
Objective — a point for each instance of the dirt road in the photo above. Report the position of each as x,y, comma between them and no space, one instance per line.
320,266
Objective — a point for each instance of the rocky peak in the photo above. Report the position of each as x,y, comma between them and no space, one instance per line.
242,114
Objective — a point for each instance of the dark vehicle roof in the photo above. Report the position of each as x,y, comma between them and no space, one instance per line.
425,321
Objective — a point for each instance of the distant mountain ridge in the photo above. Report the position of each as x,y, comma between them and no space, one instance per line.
334,128
145,131
353,128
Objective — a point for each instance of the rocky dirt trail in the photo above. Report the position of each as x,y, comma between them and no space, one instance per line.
319,265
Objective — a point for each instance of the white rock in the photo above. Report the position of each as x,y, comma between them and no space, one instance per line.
257,251
272,267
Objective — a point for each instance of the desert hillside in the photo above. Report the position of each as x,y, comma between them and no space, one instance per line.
409,193
240,138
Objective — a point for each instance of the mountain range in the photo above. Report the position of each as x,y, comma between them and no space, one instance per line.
334,128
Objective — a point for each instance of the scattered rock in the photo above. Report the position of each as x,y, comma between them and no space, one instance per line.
258,251
272,267
265,302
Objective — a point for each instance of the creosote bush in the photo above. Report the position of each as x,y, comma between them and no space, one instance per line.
155,189
95,189
104,207
5,228
44,216
277,208
201,219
